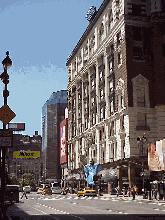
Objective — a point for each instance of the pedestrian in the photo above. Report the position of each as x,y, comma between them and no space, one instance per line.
117,191
24,194
133,192
136,189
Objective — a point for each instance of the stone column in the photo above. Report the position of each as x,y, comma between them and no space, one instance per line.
106,85
98,146
89,104
97,92
77,124
83,107
131,174
119,176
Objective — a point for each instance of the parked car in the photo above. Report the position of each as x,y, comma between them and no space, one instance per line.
27,189
86,192
56,190
39,191
47,190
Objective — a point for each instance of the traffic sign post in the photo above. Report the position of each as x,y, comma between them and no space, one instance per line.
6,138
6,115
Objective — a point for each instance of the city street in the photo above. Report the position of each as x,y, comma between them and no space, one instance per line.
71,207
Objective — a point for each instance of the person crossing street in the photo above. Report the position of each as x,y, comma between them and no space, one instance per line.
24,194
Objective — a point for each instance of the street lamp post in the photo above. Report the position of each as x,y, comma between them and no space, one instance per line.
142,140
5,78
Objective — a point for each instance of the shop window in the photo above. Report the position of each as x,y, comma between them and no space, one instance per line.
163,5
137,35
138,53
163,49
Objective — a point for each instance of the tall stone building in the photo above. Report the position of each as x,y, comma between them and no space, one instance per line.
115,87
53,112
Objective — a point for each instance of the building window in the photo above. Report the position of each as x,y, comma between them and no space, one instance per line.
93,101
140,96
101,113
111,107
93,84
93,118
111,86
86,105
119,38
86,123
101,75
138,53
101,94
119,59
136,10
110,66
137,35
141,119
101,30
85,91
110,19
112,131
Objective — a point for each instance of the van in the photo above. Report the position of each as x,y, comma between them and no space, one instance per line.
27,189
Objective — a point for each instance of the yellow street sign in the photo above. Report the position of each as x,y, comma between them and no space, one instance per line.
6,114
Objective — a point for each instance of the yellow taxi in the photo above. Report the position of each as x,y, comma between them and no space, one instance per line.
87,191
47,190
39,190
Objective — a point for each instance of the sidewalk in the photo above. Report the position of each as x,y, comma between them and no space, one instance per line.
137,197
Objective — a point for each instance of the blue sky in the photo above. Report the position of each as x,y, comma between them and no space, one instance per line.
40,35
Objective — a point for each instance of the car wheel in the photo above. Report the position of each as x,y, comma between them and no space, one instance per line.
78,195
83,195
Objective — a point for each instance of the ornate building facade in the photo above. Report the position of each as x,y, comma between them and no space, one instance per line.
115,87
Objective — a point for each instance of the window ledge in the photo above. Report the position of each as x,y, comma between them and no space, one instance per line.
142,128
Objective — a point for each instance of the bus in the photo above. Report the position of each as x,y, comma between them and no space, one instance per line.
12,193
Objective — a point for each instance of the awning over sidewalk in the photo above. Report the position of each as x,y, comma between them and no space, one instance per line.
108,175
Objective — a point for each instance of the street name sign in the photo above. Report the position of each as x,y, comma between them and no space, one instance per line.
6,138
6,114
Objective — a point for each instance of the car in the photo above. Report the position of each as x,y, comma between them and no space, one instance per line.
47,190
56,190
39,191
27,189
87,191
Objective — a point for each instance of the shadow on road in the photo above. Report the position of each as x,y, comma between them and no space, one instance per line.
16,213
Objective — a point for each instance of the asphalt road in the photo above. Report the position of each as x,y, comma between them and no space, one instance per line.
71,207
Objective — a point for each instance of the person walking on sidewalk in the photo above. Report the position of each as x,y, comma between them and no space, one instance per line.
117,191
133,192
24,194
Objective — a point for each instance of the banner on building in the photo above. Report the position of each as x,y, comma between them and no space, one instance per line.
26,154
90,172
156,156
63,141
